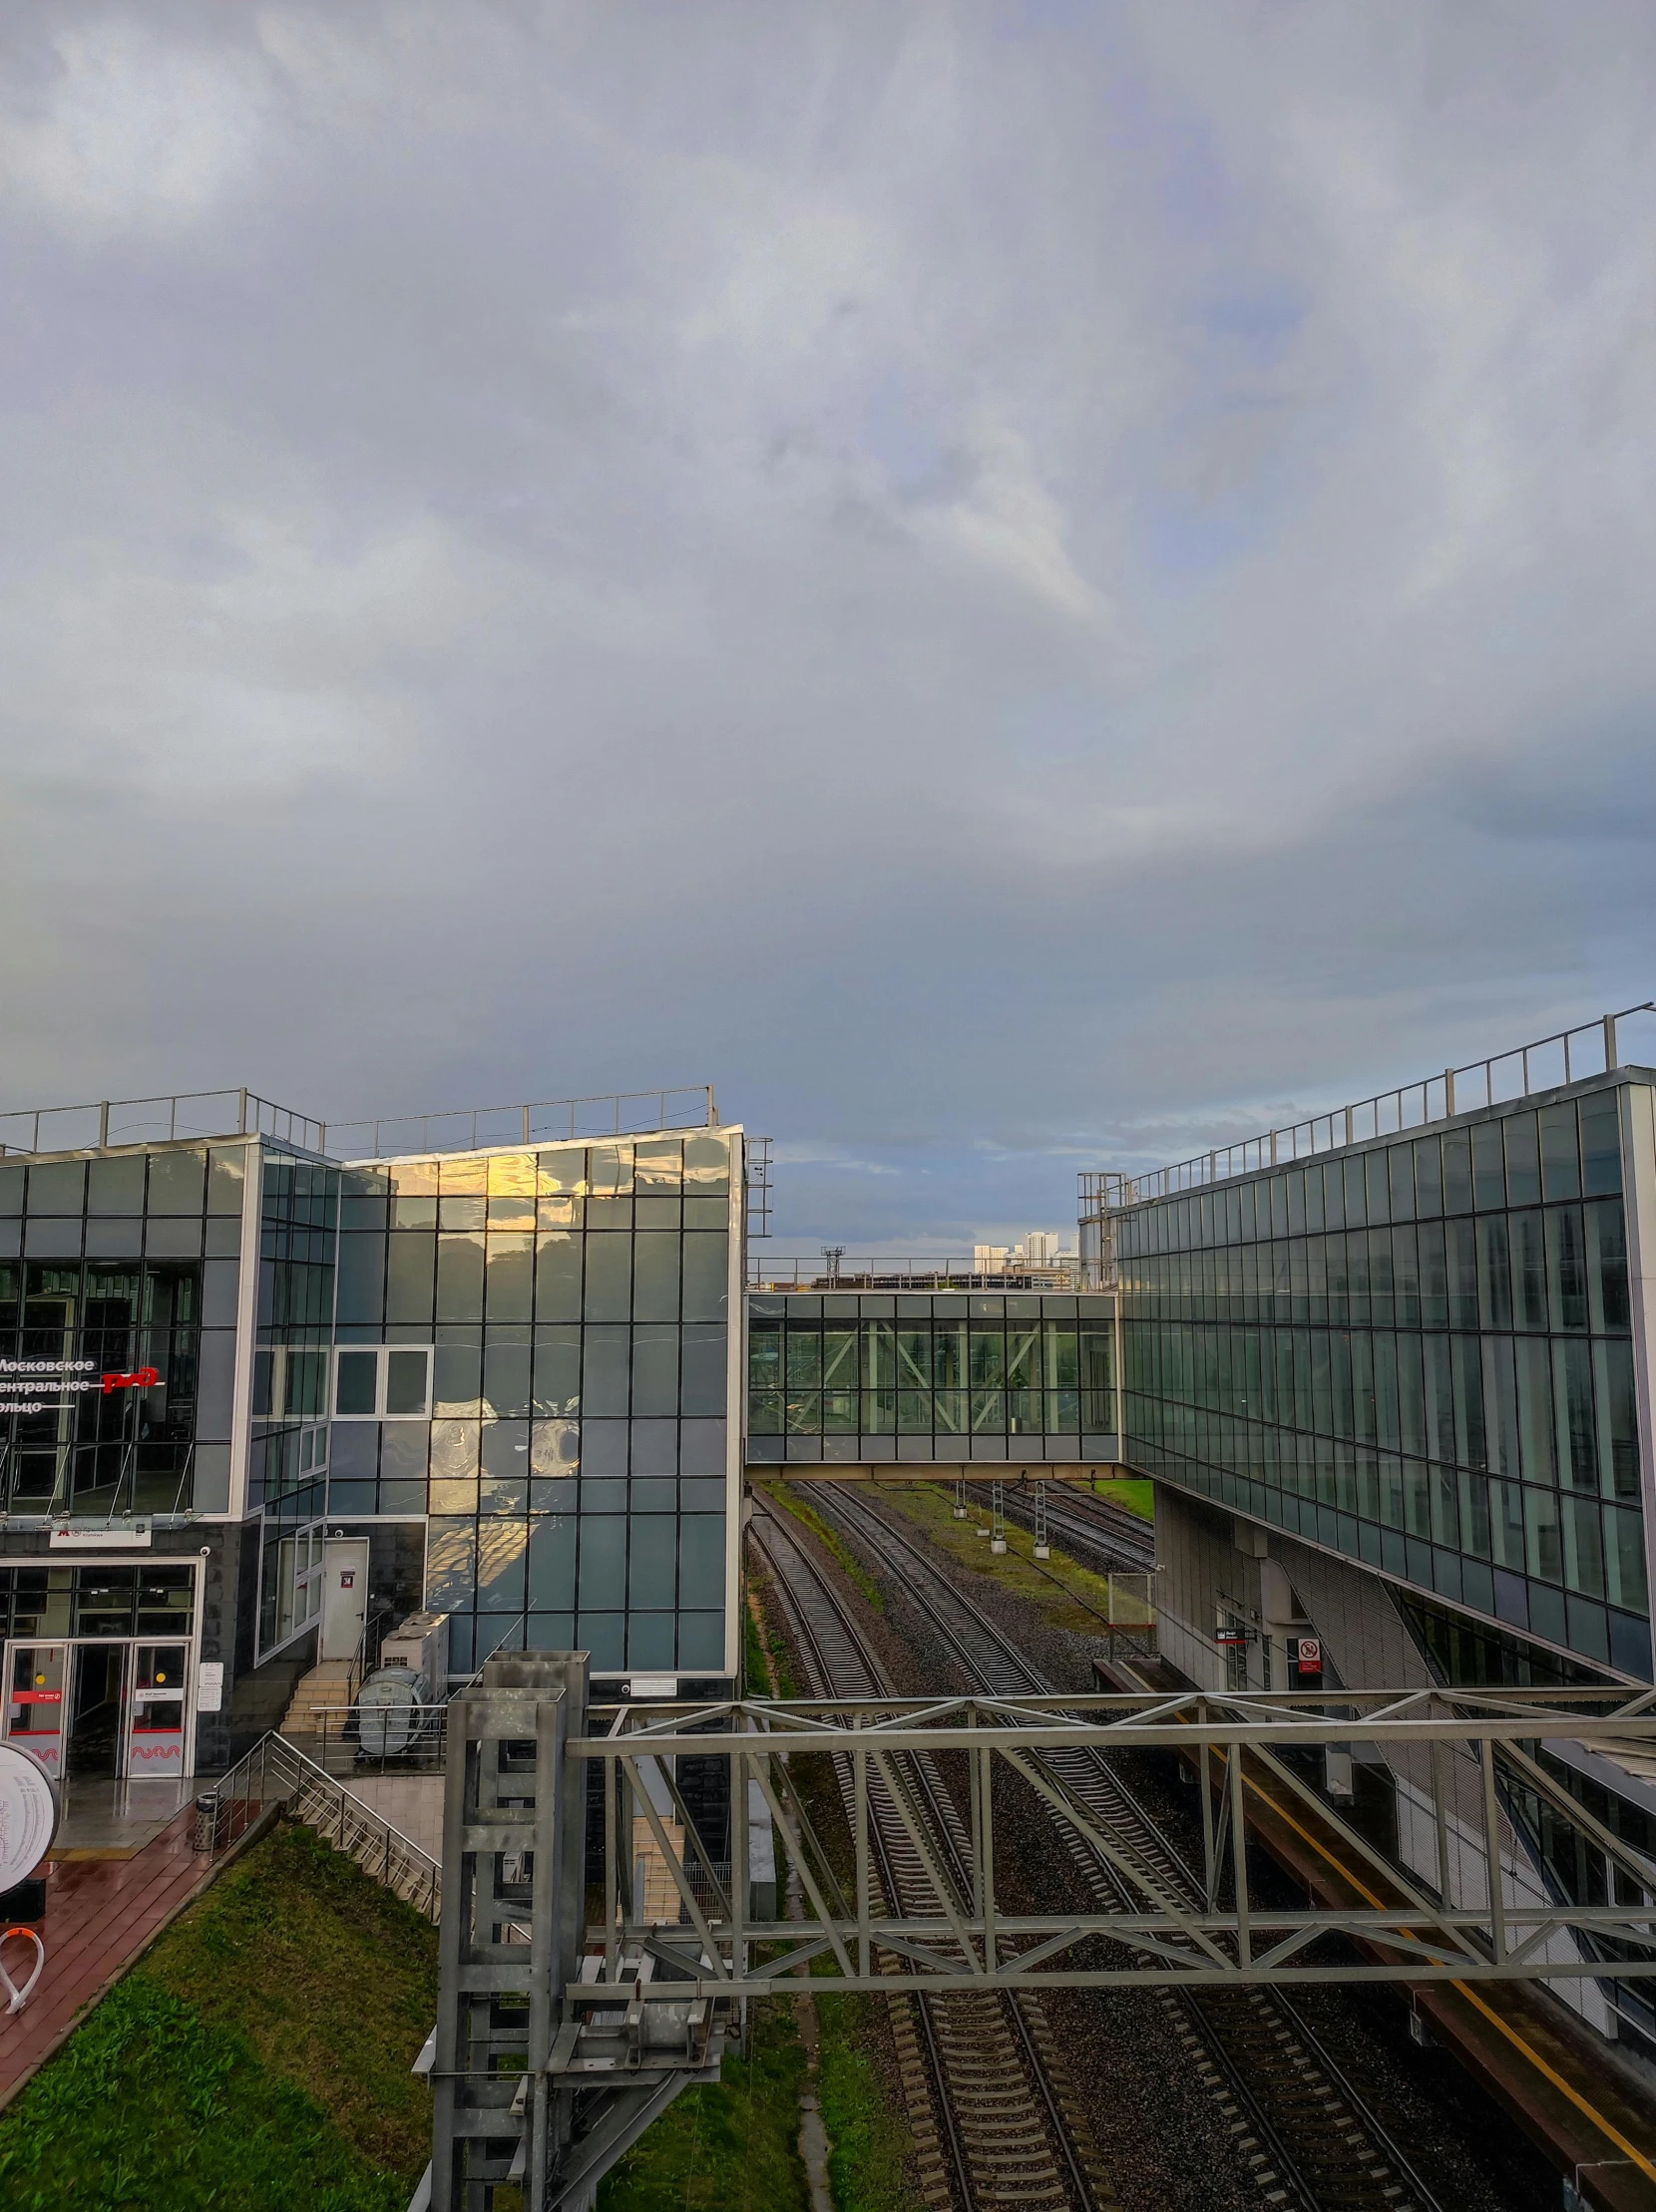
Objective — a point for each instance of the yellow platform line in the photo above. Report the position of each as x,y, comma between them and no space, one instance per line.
1606,2127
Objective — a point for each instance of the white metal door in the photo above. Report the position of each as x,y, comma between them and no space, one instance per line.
344,1595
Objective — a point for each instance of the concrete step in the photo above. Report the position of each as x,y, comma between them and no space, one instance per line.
326,1686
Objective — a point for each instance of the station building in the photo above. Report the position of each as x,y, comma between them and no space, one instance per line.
263,1387
1390,1373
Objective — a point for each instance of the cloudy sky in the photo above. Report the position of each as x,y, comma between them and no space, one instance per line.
1016,586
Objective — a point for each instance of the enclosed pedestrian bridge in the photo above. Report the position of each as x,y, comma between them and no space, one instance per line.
888,1366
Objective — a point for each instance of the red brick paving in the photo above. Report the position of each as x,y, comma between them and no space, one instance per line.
100,1913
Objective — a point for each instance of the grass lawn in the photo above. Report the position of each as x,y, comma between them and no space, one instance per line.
1135,1493
870,2139
729,2147
256,2057
1069,1595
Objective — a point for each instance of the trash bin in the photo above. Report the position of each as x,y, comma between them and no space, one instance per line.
205,1834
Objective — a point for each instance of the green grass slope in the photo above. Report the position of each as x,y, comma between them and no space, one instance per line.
255,2059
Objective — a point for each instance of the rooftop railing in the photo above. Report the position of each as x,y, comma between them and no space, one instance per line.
198,1114
133,1121
1593,1048
547,1121
881,1272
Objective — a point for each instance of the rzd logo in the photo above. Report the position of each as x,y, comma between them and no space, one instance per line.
141,1379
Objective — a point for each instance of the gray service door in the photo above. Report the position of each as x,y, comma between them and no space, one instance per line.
344,1595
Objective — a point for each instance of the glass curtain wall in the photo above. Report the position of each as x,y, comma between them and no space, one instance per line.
1418,1354
150,1599
118,1267
292,1370
870,1376
573,1454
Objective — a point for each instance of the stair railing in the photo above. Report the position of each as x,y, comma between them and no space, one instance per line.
274,1772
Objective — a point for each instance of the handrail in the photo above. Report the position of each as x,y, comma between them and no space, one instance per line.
275,1758
124,1121
542,1121
1459,1090
101,1123
359,1667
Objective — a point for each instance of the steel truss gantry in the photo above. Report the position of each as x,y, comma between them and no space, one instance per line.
1247,1750
558,2042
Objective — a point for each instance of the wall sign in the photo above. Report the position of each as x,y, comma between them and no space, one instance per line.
28,1814
98,1536
1309,1654
47,1385
210,1686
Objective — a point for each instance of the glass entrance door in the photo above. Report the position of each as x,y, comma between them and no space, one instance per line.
34,1709
155,1734
96,1707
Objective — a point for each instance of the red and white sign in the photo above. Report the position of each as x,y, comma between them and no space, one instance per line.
141,1379
1309,1656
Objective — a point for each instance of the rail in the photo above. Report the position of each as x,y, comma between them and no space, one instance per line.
1032,2139
276,1773
162,1120
242,1113
1264,2054
377,1741
544,1121
1594,1047
830,1270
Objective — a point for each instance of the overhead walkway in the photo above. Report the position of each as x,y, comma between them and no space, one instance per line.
1572,2093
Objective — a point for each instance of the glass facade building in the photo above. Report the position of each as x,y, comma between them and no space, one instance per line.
126,1264
1419,1352
534,1351
511,1378
880,1377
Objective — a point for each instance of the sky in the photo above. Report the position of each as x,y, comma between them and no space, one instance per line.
1019,587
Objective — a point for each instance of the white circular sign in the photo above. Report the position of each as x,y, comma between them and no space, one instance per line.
28,1814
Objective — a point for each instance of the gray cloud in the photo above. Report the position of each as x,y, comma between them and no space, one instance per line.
1017,584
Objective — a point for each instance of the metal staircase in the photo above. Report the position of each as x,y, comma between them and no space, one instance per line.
276,1773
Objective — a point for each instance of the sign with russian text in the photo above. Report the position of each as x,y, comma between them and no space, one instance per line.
99,1536
48,1385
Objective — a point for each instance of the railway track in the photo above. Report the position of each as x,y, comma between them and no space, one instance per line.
1099,1534
992,2112
1300,2127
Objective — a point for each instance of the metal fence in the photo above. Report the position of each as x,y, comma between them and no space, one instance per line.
1593,1048
546,1121
397,1740
165,1120
276,1773
242,1113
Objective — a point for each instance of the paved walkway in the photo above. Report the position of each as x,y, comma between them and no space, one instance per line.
100,1913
